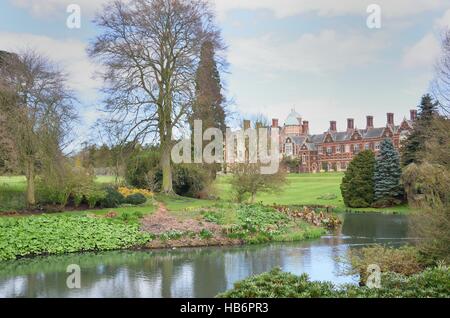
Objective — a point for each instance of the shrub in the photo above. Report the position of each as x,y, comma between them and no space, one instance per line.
426,185
142,170
95,197
405,260
357,186
51,193
189,179
432,282
112,198
136,199
11,199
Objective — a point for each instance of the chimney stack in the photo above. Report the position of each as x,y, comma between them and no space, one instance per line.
390,119
413,114
350,124
275,123
246,124
369,121
333,126
305,127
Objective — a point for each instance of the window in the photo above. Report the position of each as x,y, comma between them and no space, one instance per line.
304,159
366,147
319,149
288,150
347,148
343,165
338,149
329,151
356,148
377,146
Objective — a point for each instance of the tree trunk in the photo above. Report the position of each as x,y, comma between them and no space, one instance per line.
166,169
252,200
31,197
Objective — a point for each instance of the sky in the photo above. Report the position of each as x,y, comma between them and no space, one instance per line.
317,56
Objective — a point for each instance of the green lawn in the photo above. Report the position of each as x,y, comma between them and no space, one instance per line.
12,197
305,189
302,189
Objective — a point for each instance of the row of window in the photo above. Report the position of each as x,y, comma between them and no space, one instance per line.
349,148
352,148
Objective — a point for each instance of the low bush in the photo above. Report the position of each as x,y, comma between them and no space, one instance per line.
405,260
432,282
136,199
37,235
112,199
190,180
94,197
11,199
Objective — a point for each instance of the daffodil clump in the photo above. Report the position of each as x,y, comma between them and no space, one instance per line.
130,191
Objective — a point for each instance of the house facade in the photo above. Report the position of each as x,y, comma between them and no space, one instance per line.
333,150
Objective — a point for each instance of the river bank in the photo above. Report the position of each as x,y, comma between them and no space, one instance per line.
219,225
198,272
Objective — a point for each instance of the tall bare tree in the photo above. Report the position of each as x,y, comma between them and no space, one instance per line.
150,50
441,83
39,114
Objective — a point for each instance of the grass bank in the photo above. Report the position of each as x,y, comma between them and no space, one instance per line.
307,189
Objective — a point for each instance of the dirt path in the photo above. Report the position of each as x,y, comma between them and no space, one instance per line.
162,222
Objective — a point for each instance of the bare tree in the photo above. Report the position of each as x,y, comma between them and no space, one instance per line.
150,50
441,83
111,133
39,115
8,153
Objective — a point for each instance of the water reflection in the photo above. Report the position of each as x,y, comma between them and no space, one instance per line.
202,272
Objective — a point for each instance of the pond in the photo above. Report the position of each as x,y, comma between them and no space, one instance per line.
199,272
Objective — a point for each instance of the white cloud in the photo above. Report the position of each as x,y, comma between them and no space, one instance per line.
444,21
46,8
285,8
69,54
281,8
319,53
423,54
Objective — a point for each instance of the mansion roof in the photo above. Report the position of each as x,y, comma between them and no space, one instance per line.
341,136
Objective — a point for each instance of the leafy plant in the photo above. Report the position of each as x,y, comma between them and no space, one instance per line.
38,235
136,199
112,199
206,234
432,282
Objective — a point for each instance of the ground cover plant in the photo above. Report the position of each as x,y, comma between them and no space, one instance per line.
432,282
35,235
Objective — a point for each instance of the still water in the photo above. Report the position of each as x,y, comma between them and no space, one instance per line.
199,272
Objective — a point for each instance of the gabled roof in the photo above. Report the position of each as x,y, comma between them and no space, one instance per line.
341,136
316,139
298,139
310,146
374,133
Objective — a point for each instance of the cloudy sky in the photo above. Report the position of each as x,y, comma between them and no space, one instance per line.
317,56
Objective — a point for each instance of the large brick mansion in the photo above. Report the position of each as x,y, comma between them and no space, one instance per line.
333,149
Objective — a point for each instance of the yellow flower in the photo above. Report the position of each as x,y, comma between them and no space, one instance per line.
130,191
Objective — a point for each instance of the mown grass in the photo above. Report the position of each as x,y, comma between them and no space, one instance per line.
306,189
300,189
